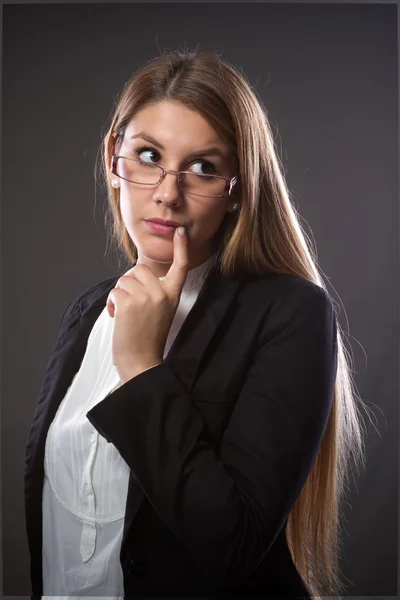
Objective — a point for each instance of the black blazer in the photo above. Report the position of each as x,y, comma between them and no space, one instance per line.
221,437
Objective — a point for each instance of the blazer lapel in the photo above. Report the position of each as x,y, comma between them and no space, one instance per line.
63,364
185,355
184,358
188,349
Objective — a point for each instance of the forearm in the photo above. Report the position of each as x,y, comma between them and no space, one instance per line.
165,442
127,373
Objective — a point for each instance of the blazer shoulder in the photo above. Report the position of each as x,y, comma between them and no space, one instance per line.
90,297
96,294
288,289
290,306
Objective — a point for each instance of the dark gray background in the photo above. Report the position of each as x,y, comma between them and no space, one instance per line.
328,76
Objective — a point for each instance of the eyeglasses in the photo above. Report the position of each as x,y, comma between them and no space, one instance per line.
135,170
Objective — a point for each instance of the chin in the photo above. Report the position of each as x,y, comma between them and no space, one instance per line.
156,255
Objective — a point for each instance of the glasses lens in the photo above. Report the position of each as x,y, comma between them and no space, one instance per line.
137,171
203,185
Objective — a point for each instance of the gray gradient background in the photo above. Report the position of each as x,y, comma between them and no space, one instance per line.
328,74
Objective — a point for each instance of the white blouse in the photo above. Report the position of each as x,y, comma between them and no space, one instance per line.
86,480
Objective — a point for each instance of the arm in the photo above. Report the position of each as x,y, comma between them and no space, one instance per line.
227,507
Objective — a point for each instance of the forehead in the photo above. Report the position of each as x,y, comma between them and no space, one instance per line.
174,125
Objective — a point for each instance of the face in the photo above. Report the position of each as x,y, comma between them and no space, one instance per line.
174,137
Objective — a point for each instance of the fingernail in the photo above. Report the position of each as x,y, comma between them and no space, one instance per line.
181,230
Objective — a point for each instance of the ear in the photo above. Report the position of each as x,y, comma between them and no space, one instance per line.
112,145
236,192
112,149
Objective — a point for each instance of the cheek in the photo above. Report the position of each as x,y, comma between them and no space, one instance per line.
209,221
125,208
128,207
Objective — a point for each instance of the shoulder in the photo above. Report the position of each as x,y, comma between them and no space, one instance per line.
283,289
96,295
90,297
288,303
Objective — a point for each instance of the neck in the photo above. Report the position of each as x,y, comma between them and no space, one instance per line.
161,268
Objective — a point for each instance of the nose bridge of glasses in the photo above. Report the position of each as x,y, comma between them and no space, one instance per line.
172,171
176,182
165,172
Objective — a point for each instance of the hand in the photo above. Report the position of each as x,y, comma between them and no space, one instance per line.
143,308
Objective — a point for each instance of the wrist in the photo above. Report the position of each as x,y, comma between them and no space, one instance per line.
127,373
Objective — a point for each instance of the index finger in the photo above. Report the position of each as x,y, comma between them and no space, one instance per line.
176,276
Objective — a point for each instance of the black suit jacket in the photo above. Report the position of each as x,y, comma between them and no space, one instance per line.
221,437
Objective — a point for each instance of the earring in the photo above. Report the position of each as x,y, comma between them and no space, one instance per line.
235,207
115,183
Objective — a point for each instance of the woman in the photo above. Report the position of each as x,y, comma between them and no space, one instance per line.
195,425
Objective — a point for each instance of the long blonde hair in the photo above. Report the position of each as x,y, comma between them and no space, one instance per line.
266,236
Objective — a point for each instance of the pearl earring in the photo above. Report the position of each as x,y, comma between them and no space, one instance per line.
235,206
115,183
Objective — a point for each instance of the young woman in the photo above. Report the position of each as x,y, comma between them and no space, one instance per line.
195,427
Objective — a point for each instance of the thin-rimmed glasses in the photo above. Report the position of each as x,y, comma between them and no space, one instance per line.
136,171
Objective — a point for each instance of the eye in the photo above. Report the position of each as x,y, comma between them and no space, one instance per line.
147,154
141,153
210,169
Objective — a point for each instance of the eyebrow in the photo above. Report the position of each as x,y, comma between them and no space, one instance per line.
210,151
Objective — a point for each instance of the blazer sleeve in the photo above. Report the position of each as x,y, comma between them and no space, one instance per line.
227,506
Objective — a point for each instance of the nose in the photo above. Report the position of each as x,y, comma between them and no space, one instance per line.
168,190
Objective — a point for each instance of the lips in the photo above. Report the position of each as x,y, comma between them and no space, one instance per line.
160,228
163,222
